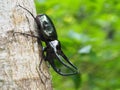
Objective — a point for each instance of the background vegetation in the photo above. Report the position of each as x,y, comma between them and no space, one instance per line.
89,31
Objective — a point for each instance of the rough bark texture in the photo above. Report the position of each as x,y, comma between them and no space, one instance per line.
19,54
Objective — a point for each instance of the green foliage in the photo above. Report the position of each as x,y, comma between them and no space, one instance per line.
89,31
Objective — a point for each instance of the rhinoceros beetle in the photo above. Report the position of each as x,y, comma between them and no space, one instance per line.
52,52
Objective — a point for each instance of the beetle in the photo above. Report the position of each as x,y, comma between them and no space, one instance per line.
52,52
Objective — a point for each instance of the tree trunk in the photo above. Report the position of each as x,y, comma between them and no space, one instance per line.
19,54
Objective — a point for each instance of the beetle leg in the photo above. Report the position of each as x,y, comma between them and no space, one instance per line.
75,71
64,56
27,11
27,34
59,70
66,59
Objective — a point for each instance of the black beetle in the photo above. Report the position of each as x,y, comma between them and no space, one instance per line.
52,51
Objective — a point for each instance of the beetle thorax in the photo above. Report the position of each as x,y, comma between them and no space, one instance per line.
54,44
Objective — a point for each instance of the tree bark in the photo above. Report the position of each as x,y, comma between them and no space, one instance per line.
20,55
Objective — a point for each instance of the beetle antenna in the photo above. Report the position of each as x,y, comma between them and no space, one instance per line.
27,11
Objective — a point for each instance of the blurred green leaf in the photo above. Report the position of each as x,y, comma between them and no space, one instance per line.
89,32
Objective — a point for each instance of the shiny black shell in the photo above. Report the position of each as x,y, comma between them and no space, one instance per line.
46,27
